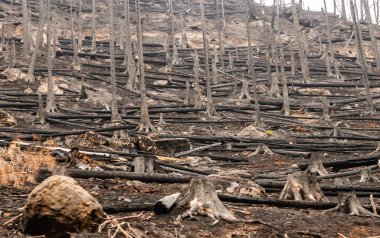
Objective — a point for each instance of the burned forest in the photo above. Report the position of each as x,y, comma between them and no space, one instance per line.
189,118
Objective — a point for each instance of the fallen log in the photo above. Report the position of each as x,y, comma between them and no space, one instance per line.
153,177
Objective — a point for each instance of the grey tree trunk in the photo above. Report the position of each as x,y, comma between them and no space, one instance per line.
197,88
25,30
130,62
93,25
363,63
251,66
371,30
114,108
145,124
220,35
42,16
210,105
301,48
344,14
50,103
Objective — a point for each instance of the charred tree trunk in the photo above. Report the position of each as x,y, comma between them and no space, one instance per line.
344,14
350,204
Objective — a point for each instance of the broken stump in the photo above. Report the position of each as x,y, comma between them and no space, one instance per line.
58,206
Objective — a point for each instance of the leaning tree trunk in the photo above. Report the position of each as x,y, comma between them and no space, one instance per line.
50,102
362,58
302,186
145,124
42,17
210,110
371,30
114,108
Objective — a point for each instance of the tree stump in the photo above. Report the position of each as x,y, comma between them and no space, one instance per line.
316,167
145,165
58,206
302,186
366,176
342,181
201,199
350,204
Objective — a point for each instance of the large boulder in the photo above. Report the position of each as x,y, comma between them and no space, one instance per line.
58,206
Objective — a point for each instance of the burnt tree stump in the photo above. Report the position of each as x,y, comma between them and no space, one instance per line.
302,186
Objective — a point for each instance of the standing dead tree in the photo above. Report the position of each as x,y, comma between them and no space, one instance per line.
42,16
371,30
50,102
210,110
145,124
362,58
114,108
301,47
175,59
128,57
25,26
251,69
93,23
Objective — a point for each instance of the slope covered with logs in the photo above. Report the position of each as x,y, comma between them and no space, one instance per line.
273,132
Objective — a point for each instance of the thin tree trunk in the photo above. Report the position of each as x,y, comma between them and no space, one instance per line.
131,66
145,124
363,63
220,35
374,44
93,35
25,30
42,16
114,108
197,87
344,14
251,66
303,58
210,106
50,103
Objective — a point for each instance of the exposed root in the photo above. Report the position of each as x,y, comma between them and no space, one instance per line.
302,186
317,168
